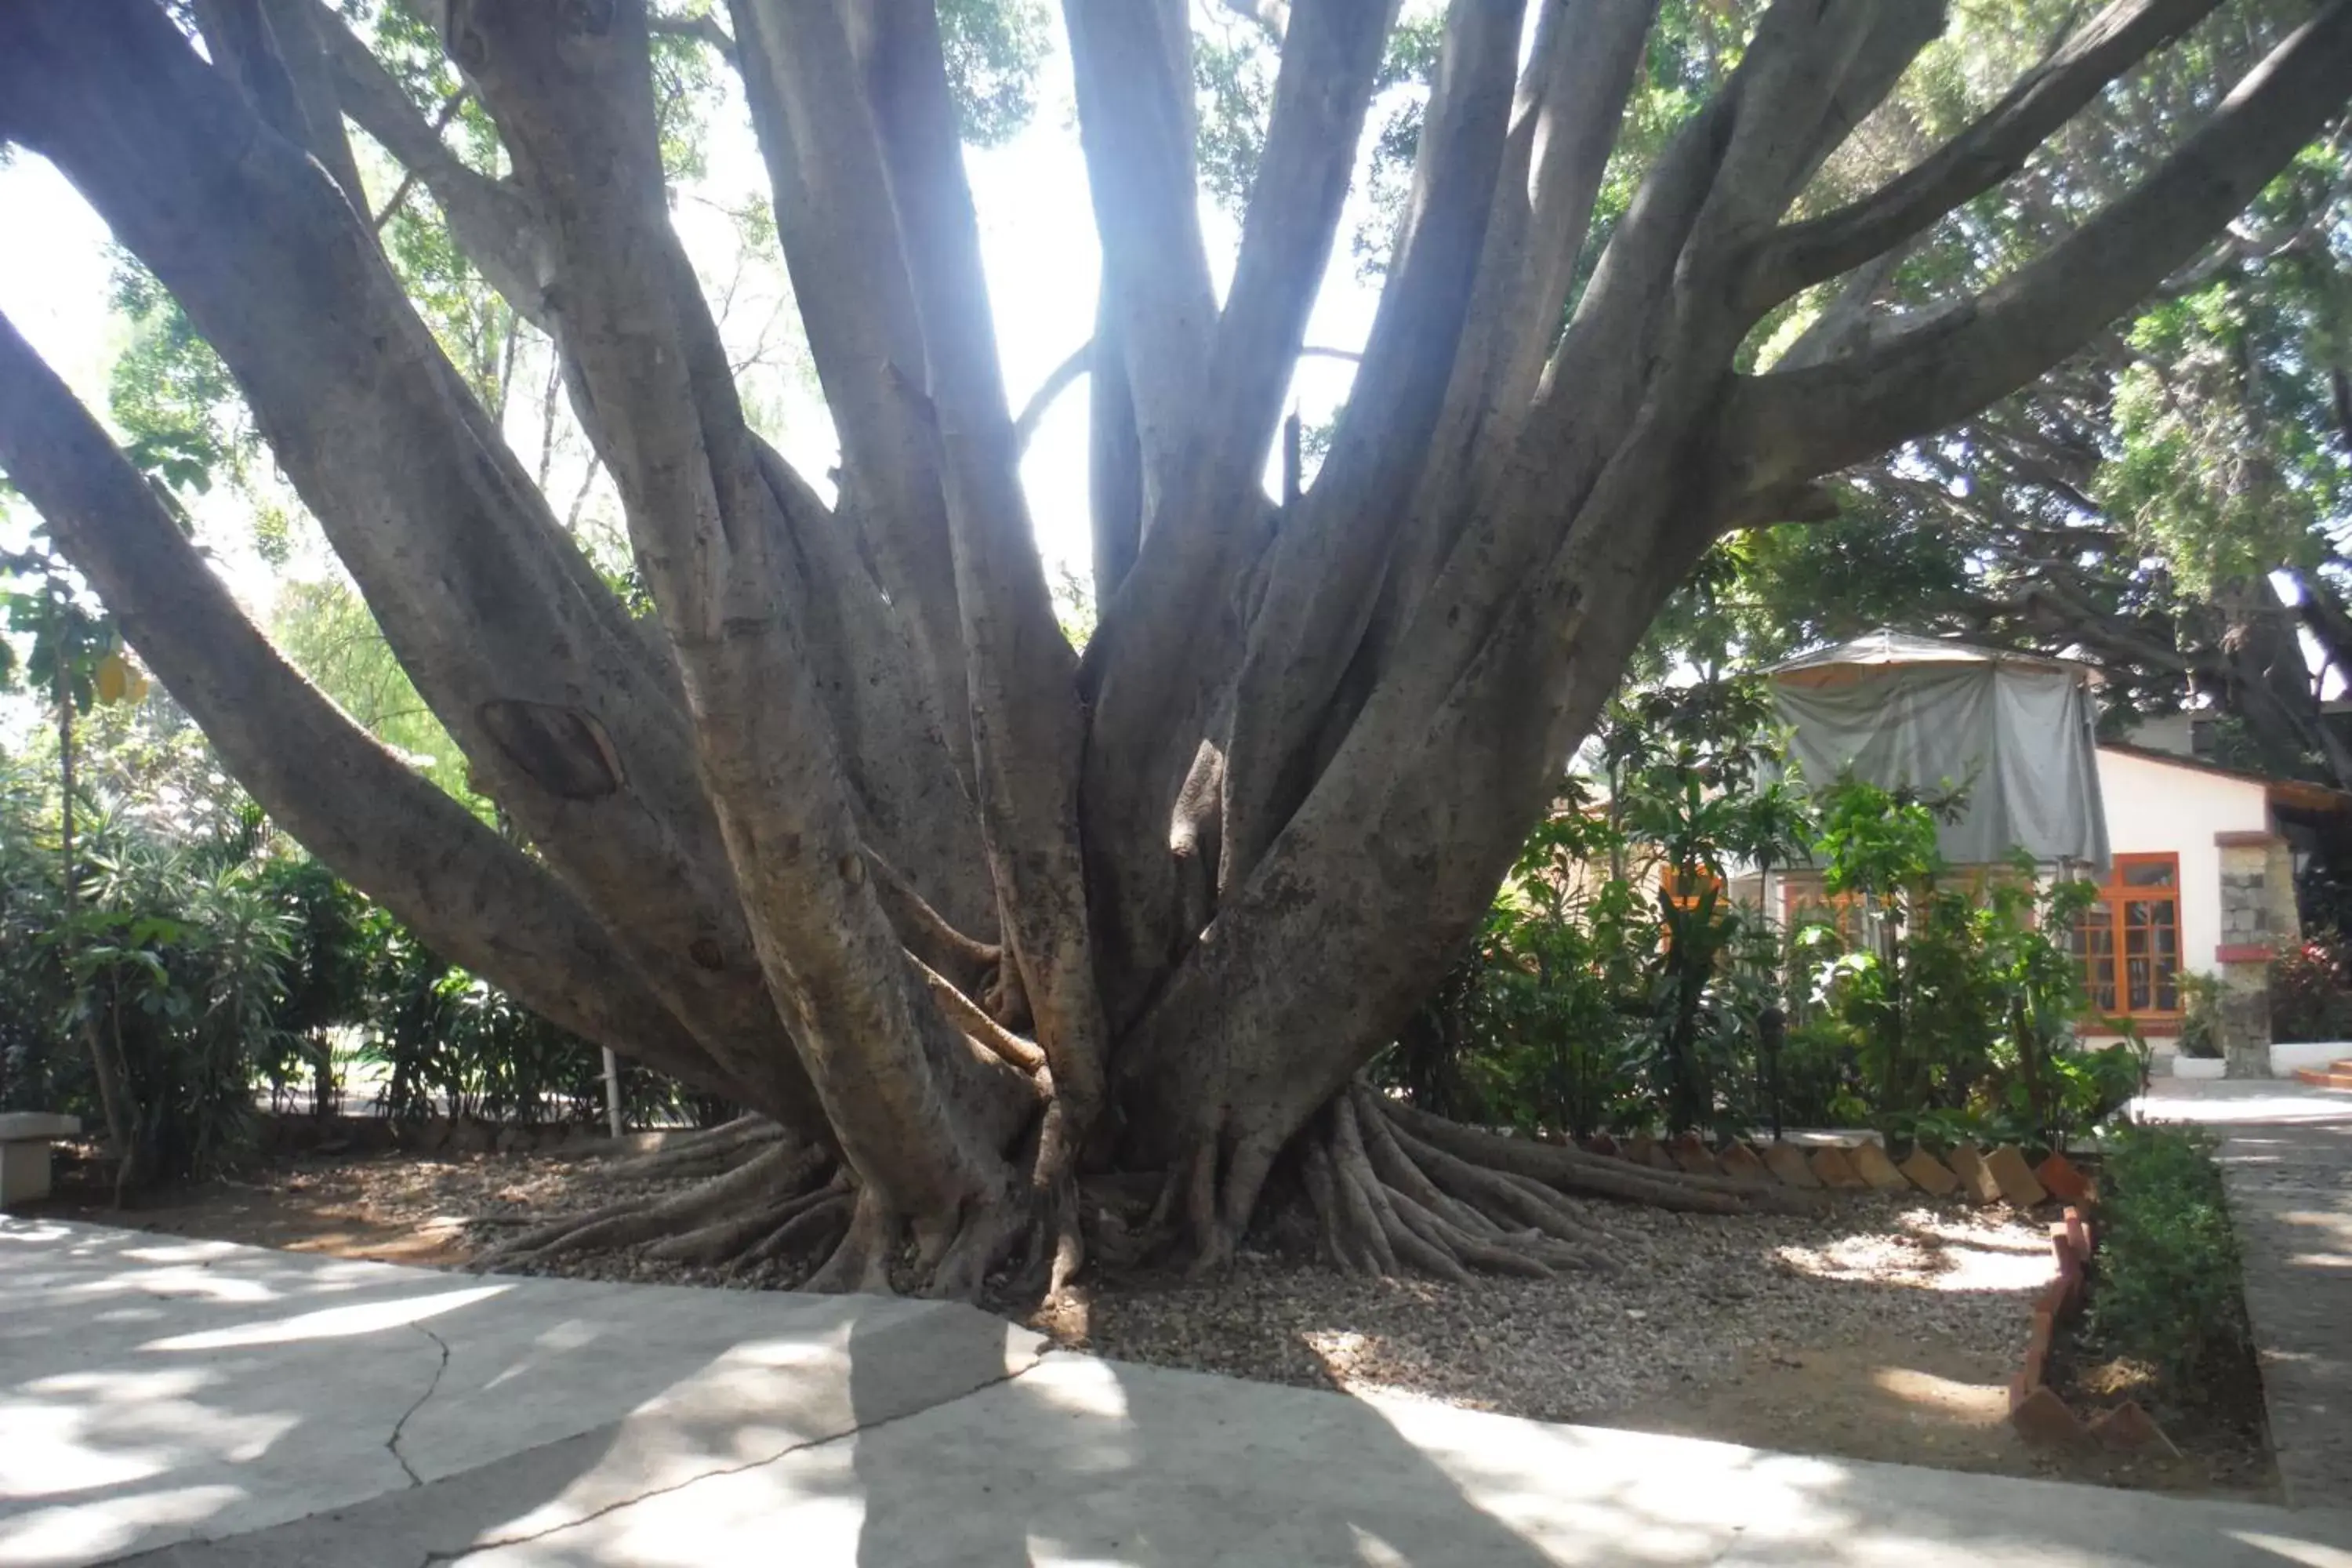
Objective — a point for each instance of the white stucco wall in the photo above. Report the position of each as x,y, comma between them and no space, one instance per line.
2155,808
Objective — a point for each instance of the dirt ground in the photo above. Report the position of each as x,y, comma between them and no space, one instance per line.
1879,1331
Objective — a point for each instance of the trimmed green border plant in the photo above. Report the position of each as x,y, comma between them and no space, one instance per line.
2168,1291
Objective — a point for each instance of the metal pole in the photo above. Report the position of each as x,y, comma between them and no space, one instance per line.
1771,1026
613,1091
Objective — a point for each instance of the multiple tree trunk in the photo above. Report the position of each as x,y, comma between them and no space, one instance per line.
847,833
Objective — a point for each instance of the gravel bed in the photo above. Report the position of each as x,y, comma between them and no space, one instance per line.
1693,1298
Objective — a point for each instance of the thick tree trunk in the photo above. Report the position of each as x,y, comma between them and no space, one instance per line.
845,832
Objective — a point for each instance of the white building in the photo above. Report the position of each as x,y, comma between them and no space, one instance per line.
2196,862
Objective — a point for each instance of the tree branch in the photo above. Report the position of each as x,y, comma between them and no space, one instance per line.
1573,120
491,221
971,1019
1168,644
704,28
1027,726
1032,413
1991,149
573,97
274,54
1570,106
1114,454
540,677
1133,65
1328,562
473,898
1802,423
408,179
847,258
1331,52
1081,362
1272,16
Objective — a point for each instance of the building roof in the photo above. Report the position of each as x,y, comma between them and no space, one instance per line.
1887,646
2299,793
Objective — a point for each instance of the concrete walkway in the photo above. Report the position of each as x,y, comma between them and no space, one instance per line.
2286,1163
205,1404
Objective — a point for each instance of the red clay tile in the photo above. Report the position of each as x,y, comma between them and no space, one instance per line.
2132,1429
2016,1178
1836,1171
1691,1155
1976,1182
1739,1162
1871,1164
1930,1175
2043,1417
2059,1175
1787,1162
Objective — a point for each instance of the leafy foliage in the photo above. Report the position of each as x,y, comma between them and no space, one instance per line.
1614,986
2168,1291
993,49
1618,986
2201,1016
1961,1001
2311,990
210,959
2132,507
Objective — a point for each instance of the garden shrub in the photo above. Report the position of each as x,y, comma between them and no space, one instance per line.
1616,987
2201,1016
2311,989
210,959
1612,986
2168,1291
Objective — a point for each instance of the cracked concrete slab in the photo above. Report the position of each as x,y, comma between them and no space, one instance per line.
155,1390
1082,1461
626,1425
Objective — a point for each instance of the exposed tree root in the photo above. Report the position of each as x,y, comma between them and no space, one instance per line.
762,1200
1570,1170
809,1226
696,1154
861,1261
1396,1189
704,1224
1393,1190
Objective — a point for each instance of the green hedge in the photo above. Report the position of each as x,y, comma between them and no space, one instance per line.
2168,1291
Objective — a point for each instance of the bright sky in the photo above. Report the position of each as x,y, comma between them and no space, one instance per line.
1040,249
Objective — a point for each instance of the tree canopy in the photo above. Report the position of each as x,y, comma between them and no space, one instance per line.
2170,503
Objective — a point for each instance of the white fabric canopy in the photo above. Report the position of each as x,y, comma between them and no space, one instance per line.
2019,735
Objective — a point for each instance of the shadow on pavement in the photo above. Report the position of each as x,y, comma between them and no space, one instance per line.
155,1394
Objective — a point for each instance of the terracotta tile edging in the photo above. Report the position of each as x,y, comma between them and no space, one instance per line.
1865,1165
2035,1408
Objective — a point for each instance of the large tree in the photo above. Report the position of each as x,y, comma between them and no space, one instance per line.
845,830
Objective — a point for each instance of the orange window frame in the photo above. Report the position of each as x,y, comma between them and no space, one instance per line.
2128,943
1684,892
1800,895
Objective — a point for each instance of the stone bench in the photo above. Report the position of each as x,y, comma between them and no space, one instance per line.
24,1139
